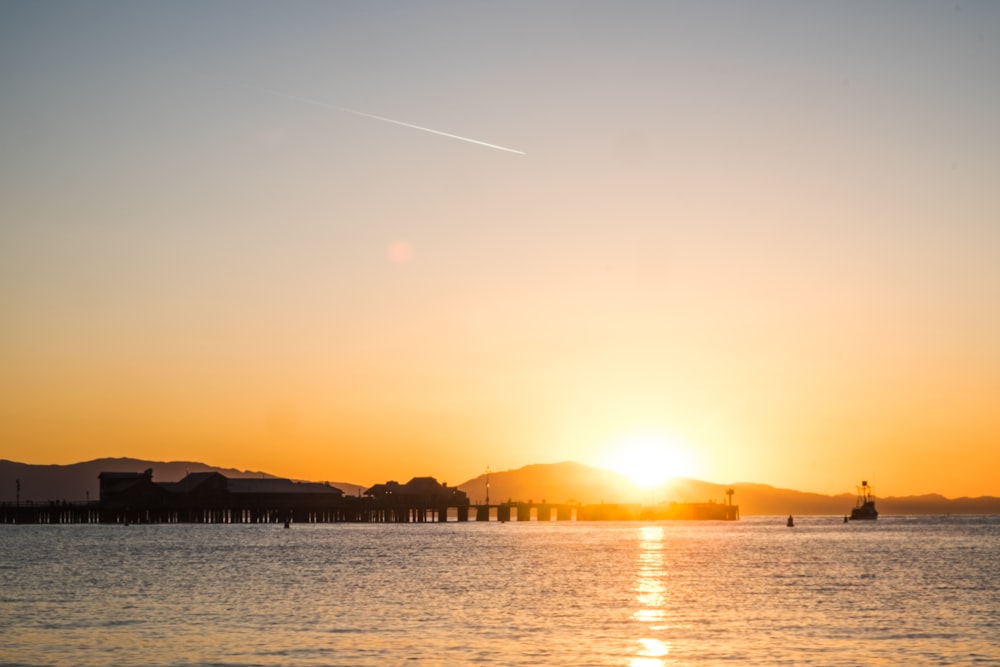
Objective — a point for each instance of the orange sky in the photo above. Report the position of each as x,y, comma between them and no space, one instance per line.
760,240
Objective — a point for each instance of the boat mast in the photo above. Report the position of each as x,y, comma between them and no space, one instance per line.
864,493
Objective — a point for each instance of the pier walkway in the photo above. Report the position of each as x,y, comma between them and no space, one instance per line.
359,510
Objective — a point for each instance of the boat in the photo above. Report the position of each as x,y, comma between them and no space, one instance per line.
864,510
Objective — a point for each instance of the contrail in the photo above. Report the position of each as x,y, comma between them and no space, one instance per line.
308,100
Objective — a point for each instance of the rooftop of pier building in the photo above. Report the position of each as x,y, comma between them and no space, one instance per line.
425,491
208,489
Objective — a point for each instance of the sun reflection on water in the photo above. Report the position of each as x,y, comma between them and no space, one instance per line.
651,594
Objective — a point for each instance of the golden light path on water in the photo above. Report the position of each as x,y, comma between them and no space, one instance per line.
651,593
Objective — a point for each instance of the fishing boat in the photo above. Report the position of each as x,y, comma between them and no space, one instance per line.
864,509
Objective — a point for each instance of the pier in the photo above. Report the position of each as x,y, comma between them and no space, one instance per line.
347,510
134,498
359,510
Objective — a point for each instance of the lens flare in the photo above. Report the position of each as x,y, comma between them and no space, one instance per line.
400,252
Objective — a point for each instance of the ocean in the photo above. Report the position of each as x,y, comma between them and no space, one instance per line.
897,591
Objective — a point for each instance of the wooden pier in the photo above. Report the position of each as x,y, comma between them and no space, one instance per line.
349,510
208,497
358,510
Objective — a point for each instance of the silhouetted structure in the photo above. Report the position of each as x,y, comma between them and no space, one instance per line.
709,511
864,509
210,497
418,497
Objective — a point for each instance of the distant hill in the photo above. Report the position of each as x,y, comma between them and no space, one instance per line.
575,482
78,481
761,499
554,482
562,482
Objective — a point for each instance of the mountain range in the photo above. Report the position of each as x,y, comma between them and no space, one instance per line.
554,482
562,482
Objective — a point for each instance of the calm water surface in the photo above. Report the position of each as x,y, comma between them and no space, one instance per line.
900,591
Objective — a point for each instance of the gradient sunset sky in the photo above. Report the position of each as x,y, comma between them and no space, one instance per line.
763,237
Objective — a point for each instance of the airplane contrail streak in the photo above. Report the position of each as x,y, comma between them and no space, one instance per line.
325,105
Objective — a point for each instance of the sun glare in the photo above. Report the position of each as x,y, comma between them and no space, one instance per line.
650,459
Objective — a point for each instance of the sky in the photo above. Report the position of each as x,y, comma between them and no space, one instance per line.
737,241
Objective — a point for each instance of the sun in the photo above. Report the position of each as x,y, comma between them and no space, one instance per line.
649,459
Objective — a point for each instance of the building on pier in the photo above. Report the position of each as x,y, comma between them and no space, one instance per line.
211,490
209,497
419,490
421,494
119,490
